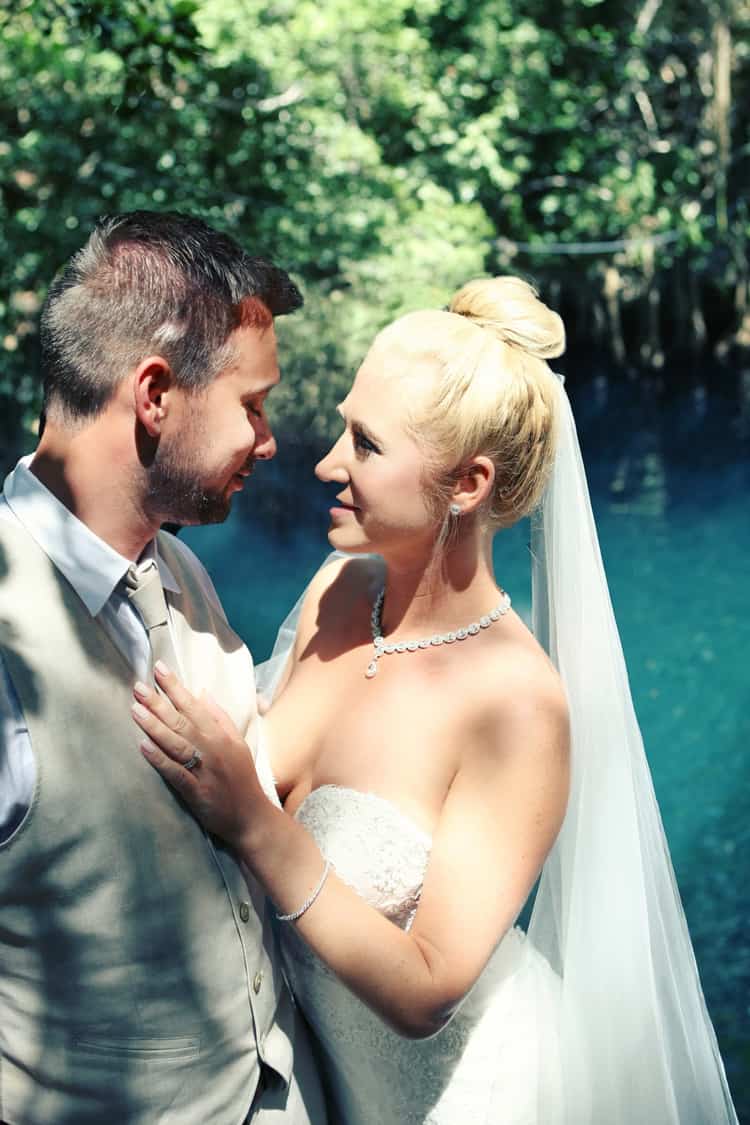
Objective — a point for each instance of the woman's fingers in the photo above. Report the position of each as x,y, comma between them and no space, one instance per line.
157,718
160,704
199,752
185,704
181,780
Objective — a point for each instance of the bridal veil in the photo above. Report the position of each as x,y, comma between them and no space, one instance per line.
637,1045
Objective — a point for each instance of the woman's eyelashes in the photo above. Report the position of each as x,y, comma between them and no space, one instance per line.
362,443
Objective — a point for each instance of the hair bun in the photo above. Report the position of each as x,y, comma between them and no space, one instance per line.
510,308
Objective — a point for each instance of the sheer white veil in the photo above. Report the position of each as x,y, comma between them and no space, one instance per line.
637,1044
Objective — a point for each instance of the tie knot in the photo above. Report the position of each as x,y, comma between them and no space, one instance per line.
143,588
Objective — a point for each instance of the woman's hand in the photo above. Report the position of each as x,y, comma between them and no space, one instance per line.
222,787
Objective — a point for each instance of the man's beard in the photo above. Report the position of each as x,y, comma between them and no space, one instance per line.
177,495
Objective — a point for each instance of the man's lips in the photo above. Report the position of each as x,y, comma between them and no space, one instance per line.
238,479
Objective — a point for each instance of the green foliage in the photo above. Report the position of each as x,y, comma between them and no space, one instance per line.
384,152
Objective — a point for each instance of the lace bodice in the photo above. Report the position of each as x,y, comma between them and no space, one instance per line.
346,824
484,1066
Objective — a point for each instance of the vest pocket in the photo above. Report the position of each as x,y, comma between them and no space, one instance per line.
93,1078
136,1047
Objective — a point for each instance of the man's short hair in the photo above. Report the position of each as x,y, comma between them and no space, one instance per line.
151,283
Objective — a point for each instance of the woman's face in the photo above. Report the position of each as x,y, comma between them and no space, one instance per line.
381,504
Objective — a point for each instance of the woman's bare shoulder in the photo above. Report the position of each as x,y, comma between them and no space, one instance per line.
531,681
334,593
518,703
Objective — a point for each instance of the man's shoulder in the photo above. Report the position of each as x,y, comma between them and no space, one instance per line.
8,517
187,568
17,541
170,547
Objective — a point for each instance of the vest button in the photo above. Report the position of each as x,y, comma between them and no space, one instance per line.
257,982
244,911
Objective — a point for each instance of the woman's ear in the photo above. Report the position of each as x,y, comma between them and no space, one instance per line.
152,382
474,485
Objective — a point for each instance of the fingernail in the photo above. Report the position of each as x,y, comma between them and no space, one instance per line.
139,711
141,690
161,668
148,748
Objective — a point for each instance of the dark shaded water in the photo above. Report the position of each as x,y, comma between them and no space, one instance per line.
669,483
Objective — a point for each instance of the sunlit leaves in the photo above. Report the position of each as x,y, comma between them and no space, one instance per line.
380,150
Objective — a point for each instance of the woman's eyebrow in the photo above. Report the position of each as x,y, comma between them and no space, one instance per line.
361,426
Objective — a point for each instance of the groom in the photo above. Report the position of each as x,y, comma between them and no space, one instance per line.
139,976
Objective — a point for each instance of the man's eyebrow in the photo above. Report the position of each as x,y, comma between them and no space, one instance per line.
257,393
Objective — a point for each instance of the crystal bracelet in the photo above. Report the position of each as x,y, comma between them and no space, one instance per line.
308,901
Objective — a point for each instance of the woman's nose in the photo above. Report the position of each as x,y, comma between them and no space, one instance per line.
331,466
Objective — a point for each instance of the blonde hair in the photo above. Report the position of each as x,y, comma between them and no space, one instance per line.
494,393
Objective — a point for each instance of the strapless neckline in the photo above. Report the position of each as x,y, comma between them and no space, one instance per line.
347,793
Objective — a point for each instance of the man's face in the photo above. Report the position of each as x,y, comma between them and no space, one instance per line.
215,436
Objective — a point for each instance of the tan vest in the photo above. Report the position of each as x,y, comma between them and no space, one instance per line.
139,979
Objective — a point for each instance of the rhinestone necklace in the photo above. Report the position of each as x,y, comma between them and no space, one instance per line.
383,649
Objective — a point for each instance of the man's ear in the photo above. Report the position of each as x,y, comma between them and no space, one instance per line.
474,485
152,382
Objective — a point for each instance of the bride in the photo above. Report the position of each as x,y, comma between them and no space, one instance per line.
433,759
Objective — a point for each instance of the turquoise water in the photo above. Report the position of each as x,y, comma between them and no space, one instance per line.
669,486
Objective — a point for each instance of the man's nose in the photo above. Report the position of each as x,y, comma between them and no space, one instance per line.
265,444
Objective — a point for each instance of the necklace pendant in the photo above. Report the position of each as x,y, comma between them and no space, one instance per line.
372,668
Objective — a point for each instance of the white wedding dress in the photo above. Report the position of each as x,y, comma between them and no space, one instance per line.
495,1059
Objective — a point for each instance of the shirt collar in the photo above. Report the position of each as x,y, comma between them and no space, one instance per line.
90,565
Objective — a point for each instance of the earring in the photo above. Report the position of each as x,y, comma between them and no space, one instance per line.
455,509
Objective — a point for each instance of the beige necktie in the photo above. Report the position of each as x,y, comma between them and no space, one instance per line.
143,587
